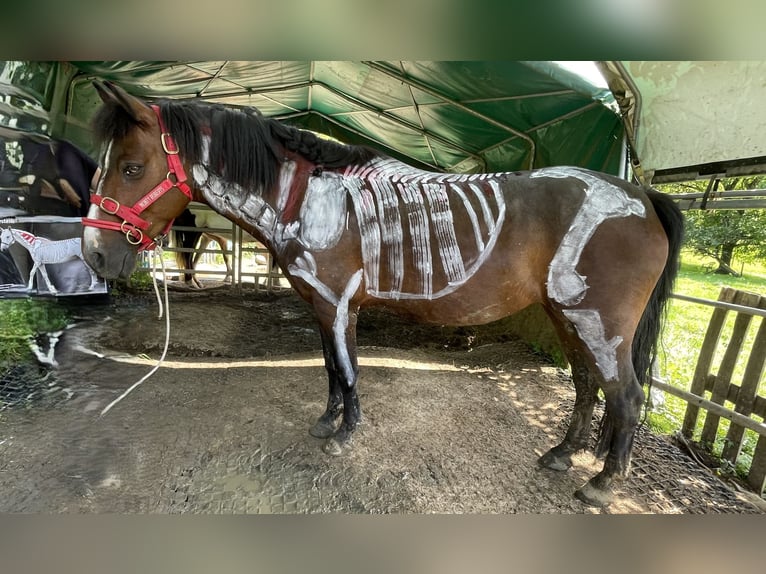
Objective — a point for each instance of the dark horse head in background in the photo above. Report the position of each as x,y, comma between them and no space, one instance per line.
54,177
352,229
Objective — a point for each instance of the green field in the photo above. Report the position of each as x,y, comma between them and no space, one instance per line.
685,330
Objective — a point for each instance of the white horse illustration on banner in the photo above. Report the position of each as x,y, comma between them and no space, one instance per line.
44,251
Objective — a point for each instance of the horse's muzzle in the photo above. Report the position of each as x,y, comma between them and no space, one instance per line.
109,262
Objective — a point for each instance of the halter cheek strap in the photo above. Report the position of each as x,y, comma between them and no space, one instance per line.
133,225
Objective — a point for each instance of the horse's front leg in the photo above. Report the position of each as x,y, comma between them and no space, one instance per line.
51,288
337,316
339,340
325,425
32,274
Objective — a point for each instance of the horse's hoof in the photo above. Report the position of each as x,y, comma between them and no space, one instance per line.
554,461
332,447
322,429
593,496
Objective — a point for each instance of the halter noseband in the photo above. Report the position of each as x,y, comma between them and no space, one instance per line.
133,225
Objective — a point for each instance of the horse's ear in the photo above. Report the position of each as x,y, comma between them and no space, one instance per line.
113,94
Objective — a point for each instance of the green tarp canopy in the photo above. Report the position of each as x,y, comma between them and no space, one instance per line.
465,116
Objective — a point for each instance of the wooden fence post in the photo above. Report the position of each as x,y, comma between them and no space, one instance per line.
728,363
702,370
748,390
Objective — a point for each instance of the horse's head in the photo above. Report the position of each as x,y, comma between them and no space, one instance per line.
142,185
6,238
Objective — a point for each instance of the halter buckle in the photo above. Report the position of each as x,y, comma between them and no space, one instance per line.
132,233
166,141
105,209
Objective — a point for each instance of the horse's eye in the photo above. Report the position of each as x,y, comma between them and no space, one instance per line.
133,170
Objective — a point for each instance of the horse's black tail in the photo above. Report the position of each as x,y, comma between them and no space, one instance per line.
648,331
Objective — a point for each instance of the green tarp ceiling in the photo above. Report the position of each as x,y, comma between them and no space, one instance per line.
465,116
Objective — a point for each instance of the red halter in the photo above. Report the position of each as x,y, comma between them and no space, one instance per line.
133,225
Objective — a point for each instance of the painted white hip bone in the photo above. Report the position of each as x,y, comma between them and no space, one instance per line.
603,201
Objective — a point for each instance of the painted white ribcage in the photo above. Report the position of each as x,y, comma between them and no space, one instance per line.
406,214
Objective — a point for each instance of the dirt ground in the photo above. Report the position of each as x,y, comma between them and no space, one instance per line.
454,420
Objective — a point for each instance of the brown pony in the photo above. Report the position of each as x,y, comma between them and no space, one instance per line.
351,228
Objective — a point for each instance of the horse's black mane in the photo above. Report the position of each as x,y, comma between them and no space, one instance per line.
244,145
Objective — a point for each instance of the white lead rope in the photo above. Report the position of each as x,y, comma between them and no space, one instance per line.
156,252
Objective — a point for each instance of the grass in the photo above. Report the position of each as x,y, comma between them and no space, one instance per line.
21,319
682,340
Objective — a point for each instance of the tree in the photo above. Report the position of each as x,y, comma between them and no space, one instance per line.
724,233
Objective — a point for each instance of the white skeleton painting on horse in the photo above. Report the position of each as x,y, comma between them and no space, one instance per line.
44,252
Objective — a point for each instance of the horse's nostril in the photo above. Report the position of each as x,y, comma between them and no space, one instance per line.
95,259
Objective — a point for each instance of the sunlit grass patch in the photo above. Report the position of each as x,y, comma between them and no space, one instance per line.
684,333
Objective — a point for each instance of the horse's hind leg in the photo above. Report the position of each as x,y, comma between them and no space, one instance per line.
605,362
44,273
586,394
223,246
623,404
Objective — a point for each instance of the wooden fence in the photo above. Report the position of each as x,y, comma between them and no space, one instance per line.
714,389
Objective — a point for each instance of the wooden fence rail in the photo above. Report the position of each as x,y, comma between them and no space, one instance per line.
712,388
240,254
